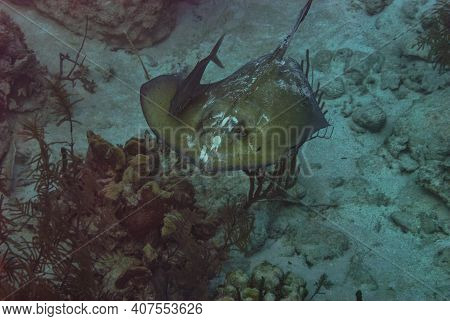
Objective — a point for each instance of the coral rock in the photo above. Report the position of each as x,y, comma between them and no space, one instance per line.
183,191
335,89
405,221
322,60
442,259
104,155
250,294
374,7
113,191
408,164
390,80
22,85
151,191
143,222
266,275
371,117
237,279
425,125
228,291
134,147
171,223
434,176
138,168
145,21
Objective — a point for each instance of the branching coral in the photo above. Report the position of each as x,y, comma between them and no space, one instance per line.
53,256
78,71
110,227
437,36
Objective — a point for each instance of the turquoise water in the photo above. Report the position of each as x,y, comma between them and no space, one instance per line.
367,217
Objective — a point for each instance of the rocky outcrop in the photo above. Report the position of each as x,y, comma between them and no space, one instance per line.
21,76
371,117
374,7
419,138
145,21
422,129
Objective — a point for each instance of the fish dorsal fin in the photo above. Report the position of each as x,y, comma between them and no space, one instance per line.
191,86
282,48
213,55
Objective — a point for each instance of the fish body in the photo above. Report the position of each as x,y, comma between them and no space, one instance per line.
246,121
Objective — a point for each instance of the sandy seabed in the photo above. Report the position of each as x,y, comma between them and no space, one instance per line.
389,234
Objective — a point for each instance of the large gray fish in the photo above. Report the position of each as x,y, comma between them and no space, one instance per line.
249,120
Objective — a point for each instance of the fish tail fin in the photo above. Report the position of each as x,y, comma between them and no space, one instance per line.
282,48
213,55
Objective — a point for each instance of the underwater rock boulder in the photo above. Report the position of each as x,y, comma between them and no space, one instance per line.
322,59
434,176
423,128
146,22
371,117
405,221
22,86
407,163
319,243
374,7
421,135
390,80
334,90
442,258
